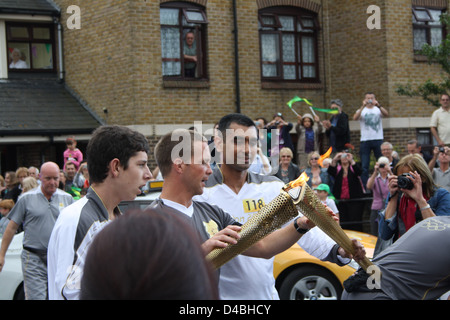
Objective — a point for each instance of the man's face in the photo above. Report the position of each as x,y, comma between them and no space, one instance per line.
386,151
412,148
49,180
71,171
444,157
197,172
445,101
134,178
370,96
32,172
190,38
239,147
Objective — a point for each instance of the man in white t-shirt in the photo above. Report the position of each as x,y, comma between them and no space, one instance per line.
440,122
370,116
242,193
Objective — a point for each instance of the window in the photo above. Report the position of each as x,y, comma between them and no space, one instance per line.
30,47
183,41
288,40
427,27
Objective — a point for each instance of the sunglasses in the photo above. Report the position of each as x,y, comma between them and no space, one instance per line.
315,158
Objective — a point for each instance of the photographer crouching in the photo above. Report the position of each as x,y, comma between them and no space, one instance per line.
413,197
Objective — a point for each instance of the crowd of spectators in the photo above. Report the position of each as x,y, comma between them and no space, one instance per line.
402,191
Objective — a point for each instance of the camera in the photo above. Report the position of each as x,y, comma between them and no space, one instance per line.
382,165
404,182
442,149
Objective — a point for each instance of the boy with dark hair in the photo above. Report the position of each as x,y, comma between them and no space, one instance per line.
117,171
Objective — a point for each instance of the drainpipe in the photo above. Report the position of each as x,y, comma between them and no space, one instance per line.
60,52
236,60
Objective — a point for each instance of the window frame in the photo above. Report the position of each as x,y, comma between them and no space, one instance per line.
313,32
200,33
30,39
424,24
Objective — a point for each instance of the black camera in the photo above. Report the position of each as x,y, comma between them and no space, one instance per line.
441,149
404,182
382,165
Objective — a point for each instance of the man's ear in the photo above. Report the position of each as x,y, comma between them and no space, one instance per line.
115,167
178,164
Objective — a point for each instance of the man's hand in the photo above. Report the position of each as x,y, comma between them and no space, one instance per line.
360,251
226,236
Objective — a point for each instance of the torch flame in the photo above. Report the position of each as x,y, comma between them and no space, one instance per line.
300,181
324,156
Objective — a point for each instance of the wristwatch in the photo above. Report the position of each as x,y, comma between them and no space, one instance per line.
299,230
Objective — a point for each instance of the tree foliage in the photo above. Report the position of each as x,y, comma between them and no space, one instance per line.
430,91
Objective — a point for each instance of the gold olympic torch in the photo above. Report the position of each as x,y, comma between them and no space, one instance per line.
295,196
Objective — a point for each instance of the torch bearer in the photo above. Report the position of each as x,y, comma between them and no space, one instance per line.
295,196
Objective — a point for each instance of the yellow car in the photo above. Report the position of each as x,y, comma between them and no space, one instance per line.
300,276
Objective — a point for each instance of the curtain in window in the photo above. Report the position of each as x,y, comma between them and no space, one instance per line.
170,42
420,38
289,56
270,57
170,49
308,56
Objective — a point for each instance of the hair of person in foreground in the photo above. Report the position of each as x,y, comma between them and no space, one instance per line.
147,255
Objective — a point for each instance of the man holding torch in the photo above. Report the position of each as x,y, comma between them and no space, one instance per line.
241,193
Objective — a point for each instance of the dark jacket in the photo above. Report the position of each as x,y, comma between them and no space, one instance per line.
293,172
354,181
341,132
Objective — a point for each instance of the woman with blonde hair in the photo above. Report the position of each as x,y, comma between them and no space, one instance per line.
316,174
29,183
287,171
413,196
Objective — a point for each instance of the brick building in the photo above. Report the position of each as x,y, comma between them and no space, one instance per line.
124,63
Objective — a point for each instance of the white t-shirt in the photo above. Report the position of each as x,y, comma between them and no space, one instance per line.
371,124
441,120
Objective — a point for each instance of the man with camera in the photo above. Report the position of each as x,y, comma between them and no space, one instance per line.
413,196
441,175
370,116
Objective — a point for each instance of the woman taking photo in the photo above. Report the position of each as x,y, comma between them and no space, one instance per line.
378,183
413,196
347,189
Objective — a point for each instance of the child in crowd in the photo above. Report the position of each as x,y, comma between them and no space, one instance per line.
72,153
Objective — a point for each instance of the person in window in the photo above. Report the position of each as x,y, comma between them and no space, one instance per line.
190,55
17,62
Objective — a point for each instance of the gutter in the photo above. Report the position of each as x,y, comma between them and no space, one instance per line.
236,59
